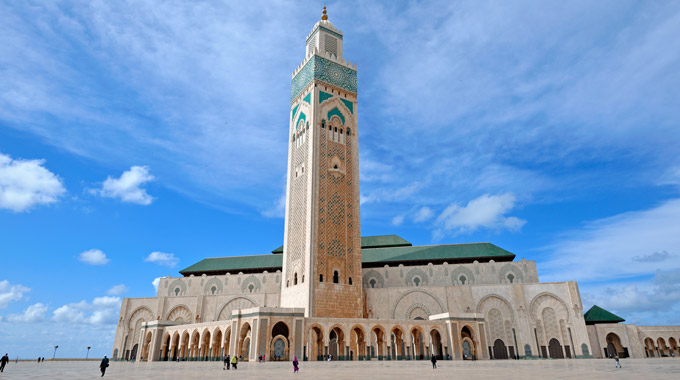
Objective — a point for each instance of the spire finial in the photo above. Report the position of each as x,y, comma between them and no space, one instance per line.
324,16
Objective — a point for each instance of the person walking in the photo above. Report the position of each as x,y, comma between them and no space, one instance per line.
433,359
234,362
616,359
103,365
226,362
295,364
3,362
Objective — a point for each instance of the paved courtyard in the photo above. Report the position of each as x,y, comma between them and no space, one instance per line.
503,369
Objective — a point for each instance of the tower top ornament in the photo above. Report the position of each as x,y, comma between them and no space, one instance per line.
324,16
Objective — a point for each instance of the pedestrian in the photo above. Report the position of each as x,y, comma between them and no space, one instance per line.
433,359
228,362
104,364
234,362
3,362
616,359
295,364
224,361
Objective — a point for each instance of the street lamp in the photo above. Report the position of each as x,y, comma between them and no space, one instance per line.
55,351
88,352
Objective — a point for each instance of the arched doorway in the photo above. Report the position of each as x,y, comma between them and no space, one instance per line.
614,347
378,342
216,346
661,347
184,354
397,344
316,345
555,349
195,345
227,342
336,345
279,344
674,346
357,343
436,340
204,350
133,354
243,350
145,347
174,347
165,349
649,348
418,345
468,343
500,351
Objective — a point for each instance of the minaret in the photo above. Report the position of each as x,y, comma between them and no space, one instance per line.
322,237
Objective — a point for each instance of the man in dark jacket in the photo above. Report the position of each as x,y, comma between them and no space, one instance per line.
104,364
433,359
3,362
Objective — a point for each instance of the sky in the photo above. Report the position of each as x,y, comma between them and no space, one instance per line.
137,138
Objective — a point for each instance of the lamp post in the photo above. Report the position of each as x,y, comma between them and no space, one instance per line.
88,352
55,352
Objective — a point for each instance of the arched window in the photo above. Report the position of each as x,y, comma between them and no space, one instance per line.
251,287
287,283
336,277
295,279
462,280
372,282
323,124
320,278
511,278
416,281
213,289
303,278
349,281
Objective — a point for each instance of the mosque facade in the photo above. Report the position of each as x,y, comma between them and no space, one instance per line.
329,292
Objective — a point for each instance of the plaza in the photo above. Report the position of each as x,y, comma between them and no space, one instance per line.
481,369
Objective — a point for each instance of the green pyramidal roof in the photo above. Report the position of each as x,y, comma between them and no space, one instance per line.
597,314
379,241
376,251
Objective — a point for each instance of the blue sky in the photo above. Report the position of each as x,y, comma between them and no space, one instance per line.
137,138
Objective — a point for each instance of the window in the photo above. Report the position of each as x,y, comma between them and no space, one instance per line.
295,279
287,283
323,124
336,277
462,280
511,278
349,281
213,289
176,291
372,282
416,281
320,278
303,278
251,287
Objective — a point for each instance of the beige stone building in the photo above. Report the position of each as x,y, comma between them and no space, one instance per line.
330,292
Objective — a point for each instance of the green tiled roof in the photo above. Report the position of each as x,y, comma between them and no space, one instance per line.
235,264
383,241
597,314
370,257
380,241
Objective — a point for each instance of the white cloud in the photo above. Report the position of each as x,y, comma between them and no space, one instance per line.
93,257
117,290
487,211
33,313
401,194
279,210
9,293
423,214
162,258
101,311
398,220
614,247
128,188
156,281
27,183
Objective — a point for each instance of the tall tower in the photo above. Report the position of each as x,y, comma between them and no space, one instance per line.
322,242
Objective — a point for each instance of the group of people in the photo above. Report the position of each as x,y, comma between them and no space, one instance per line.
41,359
230,361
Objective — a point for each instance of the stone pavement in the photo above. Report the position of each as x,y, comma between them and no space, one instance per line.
498,369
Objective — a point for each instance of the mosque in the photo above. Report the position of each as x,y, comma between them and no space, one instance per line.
330,292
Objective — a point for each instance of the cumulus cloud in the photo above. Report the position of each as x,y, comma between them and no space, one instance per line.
101,311
93,257
9,293
156,281
423,214
128,188
162,258
398,220
487,211
617,247
33,313
117,290
27,183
